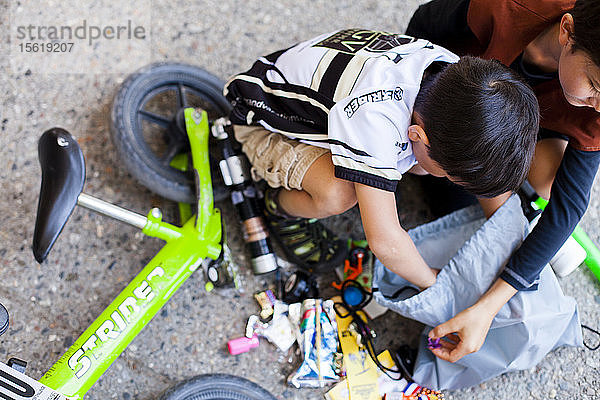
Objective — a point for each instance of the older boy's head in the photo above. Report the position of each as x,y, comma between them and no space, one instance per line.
478,125
579,63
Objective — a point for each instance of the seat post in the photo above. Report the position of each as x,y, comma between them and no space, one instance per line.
112,211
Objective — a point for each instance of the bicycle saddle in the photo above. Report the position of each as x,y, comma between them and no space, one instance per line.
63,175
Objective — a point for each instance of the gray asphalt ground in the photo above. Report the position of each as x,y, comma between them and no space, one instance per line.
94,259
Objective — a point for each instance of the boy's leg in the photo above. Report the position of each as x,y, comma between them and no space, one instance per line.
305,171
283,163
322,194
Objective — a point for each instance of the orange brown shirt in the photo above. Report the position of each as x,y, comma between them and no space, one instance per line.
494,24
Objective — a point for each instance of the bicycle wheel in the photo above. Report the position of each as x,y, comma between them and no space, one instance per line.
3,319
217,387
148,128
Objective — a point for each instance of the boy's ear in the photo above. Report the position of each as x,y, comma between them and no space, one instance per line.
566,29
417,134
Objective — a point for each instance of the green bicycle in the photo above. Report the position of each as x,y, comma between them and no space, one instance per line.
200,237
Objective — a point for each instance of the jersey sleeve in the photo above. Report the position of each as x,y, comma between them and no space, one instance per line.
569,199
367,134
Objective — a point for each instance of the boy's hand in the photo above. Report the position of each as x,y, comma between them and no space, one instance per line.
465,334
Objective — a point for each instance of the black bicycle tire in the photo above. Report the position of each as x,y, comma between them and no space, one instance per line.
217,387
133,152
4,318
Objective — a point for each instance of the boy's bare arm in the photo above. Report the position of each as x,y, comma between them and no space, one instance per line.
388,241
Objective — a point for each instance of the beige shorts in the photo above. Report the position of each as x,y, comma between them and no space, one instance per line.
277,159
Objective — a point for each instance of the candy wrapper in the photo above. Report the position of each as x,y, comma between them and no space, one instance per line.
319,331
278,331
295,317
266,300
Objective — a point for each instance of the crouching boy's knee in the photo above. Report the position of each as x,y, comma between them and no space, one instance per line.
335,198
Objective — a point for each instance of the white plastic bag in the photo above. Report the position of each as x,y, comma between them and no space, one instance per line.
472,253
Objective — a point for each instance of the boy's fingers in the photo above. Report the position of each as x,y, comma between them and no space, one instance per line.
459,352
447,345
442,330
453,337
450,354
443,353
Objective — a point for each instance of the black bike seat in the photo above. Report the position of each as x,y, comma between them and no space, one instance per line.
63,175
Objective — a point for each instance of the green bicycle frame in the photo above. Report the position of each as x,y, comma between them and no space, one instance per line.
106,338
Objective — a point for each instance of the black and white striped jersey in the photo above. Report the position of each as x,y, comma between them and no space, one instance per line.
352,91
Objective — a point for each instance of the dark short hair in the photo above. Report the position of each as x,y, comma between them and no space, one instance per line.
586,32
481,120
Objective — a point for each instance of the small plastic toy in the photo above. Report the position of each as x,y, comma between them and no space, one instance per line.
433,343
242,345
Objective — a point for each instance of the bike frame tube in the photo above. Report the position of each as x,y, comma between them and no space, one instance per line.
106,338
180,162
198,122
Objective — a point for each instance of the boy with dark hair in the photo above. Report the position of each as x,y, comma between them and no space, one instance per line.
340,118
555,46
